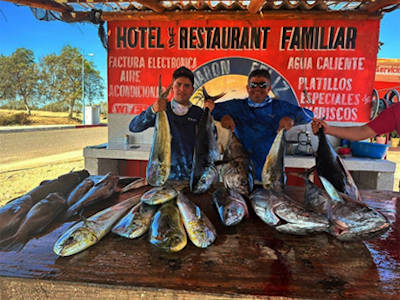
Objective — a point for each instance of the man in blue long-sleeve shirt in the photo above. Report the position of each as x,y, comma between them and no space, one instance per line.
257,119
183,118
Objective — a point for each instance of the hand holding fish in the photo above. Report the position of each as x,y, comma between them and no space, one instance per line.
161,103
209,104
316,124
227,122
286,123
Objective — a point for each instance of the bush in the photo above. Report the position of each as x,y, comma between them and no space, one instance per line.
15,119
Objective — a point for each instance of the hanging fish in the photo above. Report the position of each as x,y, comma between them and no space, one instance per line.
90,231
199,228
167,231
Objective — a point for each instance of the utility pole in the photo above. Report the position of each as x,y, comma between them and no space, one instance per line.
83,86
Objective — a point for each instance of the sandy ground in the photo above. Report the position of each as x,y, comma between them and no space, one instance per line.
20,177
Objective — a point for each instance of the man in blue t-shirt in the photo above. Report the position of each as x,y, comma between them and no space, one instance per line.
257,119
183,118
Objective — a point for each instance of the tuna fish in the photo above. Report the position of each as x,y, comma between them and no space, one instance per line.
285,214
159,164
79,191
273,176
201,94
204,172
12,214
167,231
101,190
39,217
351,219
139,182
199,228
231,206
136,222
331,166
90,231
238,173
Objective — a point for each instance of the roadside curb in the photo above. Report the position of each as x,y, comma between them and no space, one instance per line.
6,129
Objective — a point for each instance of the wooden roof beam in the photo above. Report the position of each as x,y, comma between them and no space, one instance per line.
255,5
44,4
377,5
153,4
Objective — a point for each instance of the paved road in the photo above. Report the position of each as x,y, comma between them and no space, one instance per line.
17,146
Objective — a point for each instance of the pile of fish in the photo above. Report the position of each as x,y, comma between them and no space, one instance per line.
166,212
52,201
335,208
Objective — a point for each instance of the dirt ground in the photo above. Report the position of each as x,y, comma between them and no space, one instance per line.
15,180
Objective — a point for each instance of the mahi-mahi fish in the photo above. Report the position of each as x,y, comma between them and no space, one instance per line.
231,206
41,215
136,222
273,176
159,164
331,166
101,190
204,172
238,172
351,219
90,231
199,228
167,231
159,195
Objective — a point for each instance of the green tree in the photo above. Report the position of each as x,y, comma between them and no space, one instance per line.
61,78
19,78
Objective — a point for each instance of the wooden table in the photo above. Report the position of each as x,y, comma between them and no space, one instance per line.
250,260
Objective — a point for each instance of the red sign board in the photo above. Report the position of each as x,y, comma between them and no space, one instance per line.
327,66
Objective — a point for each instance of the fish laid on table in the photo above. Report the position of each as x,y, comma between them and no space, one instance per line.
167,231
159,164
136,222
41,215
238,172
231,206
159,195
12,214
204,172
137,183
286,214
351,219
199,228
80,190
276,208
101,190
62,185
90,231
331,166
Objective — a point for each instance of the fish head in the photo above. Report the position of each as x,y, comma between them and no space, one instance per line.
206,180
156,174
72,243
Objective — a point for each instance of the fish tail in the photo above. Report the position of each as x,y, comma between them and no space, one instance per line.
12,244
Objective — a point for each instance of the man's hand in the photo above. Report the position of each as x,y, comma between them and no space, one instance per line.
161,103
210,104
227,122
316,124
286,123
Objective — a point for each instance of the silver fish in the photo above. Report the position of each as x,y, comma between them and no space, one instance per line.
199,228
231,206
273,176
159,195
41,215
353,220
79,191
285,214
159,164
206,152
238,173
139,182
86,233
136,222
167,231
101,190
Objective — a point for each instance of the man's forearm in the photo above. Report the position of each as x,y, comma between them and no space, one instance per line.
354,133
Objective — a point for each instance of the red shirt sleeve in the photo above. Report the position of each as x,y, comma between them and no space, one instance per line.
387,121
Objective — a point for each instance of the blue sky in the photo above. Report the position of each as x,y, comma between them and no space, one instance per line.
19,28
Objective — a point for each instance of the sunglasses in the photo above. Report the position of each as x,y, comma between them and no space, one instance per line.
262,85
